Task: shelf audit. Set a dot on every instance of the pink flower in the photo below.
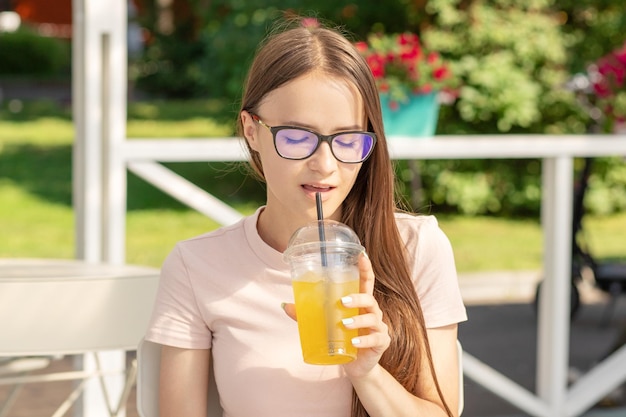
(441, 73)
(361, 46)
(310, 22)
(426, 89)
(377, 65)
(402, 66)
(432, 57)
(609, 83)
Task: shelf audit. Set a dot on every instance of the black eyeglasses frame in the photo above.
(321, 138)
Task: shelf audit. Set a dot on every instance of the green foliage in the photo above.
(230, 42)
(486, 95)
(208, 53)
(23, 53)
(512, 56)
(502, 187)
(170, 68)
(607, 187)
(509, 187)
(593, 28)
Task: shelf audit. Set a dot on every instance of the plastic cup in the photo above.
(322, 273)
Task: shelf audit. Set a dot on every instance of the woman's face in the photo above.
(325, 105)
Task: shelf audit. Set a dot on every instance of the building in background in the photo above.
(48, 18)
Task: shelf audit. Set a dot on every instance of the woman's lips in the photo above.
(317, 188)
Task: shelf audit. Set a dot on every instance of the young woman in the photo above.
(220, 298)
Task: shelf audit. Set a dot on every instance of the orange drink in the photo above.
(323, 257)
(324, 339)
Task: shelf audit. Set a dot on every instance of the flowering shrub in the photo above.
(401, 66)
(608, 77)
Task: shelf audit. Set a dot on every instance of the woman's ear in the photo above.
(249, 129)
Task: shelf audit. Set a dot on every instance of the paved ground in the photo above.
(501, 331)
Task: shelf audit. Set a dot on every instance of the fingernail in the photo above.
(346, 300)
(348, 321)
(365, 253)
(356, 341)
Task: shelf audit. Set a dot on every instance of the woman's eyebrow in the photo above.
(310, 127)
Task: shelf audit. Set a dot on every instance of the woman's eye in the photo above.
(295, 140)
(347, 142)
(296, 137)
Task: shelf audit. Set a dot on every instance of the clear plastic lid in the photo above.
(331, 233)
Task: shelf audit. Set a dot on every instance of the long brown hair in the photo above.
(370, 206)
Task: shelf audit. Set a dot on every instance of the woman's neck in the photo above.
(273, 231)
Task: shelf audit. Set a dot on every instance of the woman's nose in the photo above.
(323, 159)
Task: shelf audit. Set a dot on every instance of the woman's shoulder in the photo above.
(420, 232)
(412, 225)
(415, 219)
(212, 244)
(216, 237)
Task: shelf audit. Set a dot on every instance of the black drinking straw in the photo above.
(320, 227)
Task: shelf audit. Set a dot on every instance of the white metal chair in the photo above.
(51, 309)
(148, 362)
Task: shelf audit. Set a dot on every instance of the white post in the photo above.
(86, 111)
(99, 107)
(554, 305)
(99, 176)
(115, 83)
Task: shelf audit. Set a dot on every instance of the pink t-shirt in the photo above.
(223, 290)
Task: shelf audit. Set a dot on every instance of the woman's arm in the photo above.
(379, 392)
(444, 350)
(382, 395)
(184, 381)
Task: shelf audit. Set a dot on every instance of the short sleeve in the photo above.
(176, 319)
(433, 271)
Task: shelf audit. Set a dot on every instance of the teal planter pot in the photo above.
(416, 118)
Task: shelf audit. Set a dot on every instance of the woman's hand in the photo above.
(373, 337)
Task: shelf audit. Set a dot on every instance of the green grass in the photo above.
(36, 216)
(46, 131)
(488, 243)
(33, 226)
(605, 236)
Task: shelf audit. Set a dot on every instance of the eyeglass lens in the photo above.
(347, 147)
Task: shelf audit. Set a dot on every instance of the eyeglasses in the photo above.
(293, 142)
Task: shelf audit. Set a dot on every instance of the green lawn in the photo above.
(36, 217)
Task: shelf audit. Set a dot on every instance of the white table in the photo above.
(69, 307)
(553, 398)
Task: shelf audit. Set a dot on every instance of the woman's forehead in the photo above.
(315, 96)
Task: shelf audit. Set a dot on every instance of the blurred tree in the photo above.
(209, 46)
(496, 44)
(513, 57)
(517, 59)
(595, 28)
